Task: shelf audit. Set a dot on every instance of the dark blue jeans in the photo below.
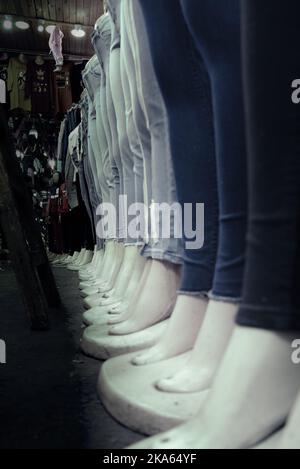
(271, 50)
(200, 79)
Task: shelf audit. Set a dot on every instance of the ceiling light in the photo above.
(50, 28)
(22, 25)
(41, 28)
(78, 32)
(7, 24)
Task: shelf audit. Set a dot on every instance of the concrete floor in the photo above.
(48, 388)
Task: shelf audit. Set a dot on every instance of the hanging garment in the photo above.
(2, 91)
(55, 44)
(16, 84)
(70, 171)
(62, 89)
(4, 99)
(38, 87)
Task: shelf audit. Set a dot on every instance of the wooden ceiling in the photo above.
(65, 13)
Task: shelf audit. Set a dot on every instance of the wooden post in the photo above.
(23, 237)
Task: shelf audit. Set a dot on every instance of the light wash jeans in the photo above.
(101, 39)
(152, 123)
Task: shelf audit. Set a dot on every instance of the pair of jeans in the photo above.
(161, 181)
(202, 89)
(101, 40)
(114, 8)
(270, 46)
(120, 135)
(133, 163)
(85, 194)
(127, 176)
(92, 78)
(85, 174)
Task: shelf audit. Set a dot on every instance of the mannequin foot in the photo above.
(118, 315)
(251, 396)
(182, 331)
(210, 346)
(156, 301)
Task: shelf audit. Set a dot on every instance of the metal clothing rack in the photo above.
(45, 55)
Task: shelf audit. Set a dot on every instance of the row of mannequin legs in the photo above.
(214, 362)
(231, 306)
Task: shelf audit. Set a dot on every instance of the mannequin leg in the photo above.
(138, 133)
(182, 331)
(115, 158)
(126, 169)
(212, 341)
(120, 308)
(290, 438)
(103, 145)
(250, 396)
(150, 308)
(231, 172)
(257, 382)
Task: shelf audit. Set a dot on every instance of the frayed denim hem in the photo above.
(203, 295)
(224, 299)
(160, 255)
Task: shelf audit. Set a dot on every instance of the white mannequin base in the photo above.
(128, 394)
(272, 442)
(251, 397)
(290, 435)
(97, 343)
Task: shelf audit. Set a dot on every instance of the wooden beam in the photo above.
(50, 20)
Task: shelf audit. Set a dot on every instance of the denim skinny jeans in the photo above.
(216, 32)
(270, 46)
(92, 80)
(202, 89)
(85, 175)
(90, 168)
(101, 39)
